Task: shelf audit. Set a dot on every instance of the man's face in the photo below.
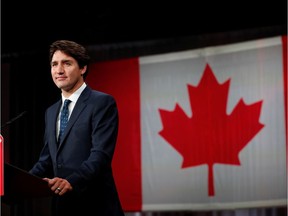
(66, 73)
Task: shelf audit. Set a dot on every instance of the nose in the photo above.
(58, 69)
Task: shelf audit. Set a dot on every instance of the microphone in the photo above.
(13, 119)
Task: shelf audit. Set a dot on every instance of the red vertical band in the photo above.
(121, 79)
(1, 165)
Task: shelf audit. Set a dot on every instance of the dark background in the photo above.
(32, 25)
(110, 31)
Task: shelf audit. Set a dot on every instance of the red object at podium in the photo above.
(1, 165)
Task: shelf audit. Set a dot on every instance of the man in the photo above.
(77, 166)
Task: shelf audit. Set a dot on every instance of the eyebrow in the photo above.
(63, 61)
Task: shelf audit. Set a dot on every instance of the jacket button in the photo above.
(59, 166)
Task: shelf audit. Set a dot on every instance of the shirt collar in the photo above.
(74, 97)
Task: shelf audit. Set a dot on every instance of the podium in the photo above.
(20, 185)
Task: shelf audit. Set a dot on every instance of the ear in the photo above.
(83, 70)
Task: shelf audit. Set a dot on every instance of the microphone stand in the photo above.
(13, 119)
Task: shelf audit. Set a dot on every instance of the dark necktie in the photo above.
(63, 118)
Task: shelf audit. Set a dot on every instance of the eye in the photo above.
(53, 64)
(68, 63)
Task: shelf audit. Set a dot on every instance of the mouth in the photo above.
(60, 78)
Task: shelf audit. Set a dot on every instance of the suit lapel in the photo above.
(53, 116)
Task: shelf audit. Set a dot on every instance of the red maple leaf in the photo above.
(211, 135)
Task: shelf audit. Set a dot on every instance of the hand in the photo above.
(58, 185)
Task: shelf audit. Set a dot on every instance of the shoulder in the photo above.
(55, 105)
(98, 94)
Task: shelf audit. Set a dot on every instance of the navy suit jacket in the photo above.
(84, 155)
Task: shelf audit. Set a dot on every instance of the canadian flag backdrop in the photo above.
(200, 129)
